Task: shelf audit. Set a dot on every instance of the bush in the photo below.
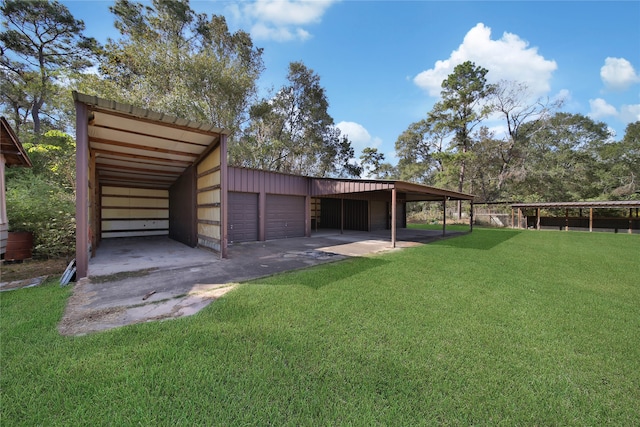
(47, 211)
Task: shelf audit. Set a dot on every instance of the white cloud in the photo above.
(359, 136)
(630, 113)
(600, 108)
(283, 20)
(618, 74)
(280, 34)
(509, 58)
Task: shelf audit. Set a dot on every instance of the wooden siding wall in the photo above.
(134, 212)
(208, 199)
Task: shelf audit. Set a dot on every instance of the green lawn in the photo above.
(495, 327)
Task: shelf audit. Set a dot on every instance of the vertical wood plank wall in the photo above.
(134, 212)
(208, 199)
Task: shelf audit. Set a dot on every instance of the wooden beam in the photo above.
(566, 219)
(590, 219)
(537, 218)
(471, 217)
(519, 218)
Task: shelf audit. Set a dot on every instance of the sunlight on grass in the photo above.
(493, 327)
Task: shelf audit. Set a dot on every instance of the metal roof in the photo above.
(595, 204)
(10, 146)
(142, 148)
(412, 192)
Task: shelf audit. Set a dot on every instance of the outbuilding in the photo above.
(12, 153)
(147, 173)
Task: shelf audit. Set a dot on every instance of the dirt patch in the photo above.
(28, 269)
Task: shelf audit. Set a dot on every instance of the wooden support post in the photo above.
(82, 190)
(513, 219)
(444, 216)
(566, 219)
(537, 218)
(393, 217)
(630, 220)
(519, 218)
(471, 217)
(590, 220)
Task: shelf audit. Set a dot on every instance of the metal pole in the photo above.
(393, 217)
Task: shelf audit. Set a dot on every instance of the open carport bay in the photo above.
(154, 278)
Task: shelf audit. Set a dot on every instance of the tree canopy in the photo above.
(293, 132)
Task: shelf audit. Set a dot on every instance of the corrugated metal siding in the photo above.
(208, 201)
(379, 215)
(243, 217)
(134, 212)
(356, 214)
(182, 209)
(257, 181)
(285, 216)
(324, 187)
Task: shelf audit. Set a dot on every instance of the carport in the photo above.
(141, 173)
(374, 205)
(267, 205)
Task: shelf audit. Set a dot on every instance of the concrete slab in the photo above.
(155, 278)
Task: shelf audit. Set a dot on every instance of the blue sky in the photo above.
(382, 62)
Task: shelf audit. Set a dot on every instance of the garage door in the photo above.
(285, 216)
(243, 217)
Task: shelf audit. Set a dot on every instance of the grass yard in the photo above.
(495, 327)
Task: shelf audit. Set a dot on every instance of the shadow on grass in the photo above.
(326, 274)
(480, 239)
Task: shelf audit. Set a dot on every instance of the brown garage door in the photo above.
(285, 216)
(243, 217)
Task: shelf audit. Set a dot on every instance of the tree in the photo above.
(173, 60)
(373, 164)
(40, 42)
(620, 163)
(461, 109)
(512, 100)
(561, 163)
(420, 149)
(292, 132)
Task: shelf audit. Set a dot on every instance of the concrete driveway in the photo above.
(156, 278)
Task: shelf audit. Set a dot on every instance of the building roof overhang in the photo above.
(10, 146)
(411, 192)
(604, 204)
(137, 147)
